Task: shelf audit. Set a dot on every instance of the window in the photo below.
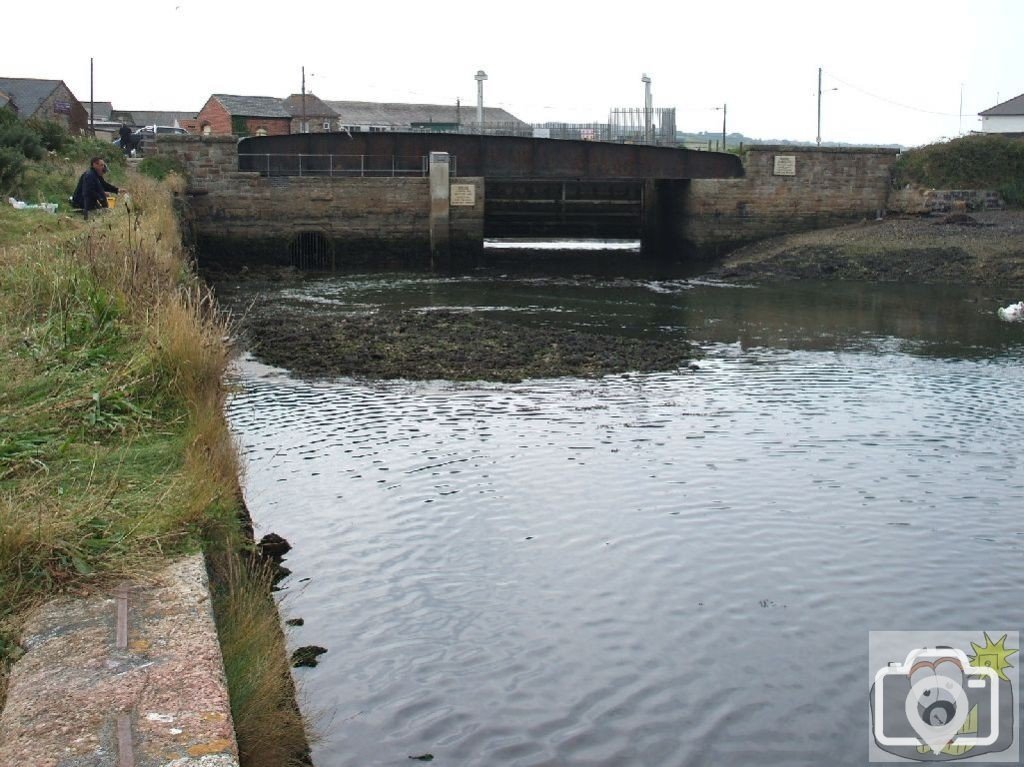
(261, 131)
(207, 129)
(327, 125)
(352, 128)
(377, 129)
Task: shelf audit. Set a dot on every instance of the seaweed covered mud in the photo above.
(982, 248)
(416, 343)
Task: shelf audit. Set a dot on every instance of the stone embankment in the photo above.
(131, 678)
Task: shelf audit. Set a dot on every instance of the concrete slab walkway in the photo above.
(133, 678)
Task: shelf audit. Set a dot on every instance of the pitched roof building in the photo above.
(226, 114)
(1007, 117)
(319, 117)
(49, 100)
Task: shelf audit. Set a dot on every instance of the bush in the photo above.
(53, 136)
(972, 162)
(24, 139)
(158, 167)
(12, 169)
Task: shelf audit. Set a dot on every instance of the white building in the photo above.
(1007, 117)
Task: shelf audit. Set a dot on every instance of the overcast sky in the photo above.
(901, 66)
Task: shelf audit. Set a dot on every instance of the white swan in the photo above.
(1012, 313)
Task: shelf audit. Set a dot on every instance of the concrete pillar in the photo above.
(440, 198)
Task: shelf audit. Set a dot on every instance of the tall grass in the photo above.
(270, 729)
(114, 451)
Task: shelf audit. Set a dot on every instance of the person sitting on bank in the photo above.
(91, 192)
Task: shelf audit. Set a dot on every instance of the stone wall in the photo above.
(786, 189)
(244, 218)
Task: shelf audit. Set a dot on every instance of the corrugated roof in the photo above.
(252, 106)
(142, 117)
(100, 109)
(405, 115)
(26, 93)
(1013, 107)
(314, 106)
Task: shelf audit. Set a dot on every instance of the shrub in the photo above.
(971, 162)
(21, 137)
(158, 167)
(12, 169)
(53, 136)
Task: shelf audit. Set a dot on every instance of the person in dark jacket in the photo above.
(126, 139)
(91, 192)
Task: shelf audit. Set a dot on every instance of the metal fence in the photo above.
(339, 165)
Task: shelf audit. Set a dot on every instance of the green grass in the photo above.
(114, 451)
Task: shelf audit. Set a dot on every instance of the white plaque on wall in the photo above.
(785, 165)
(464, 195)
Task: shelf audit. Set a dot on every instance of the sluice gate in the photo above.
(584, 209)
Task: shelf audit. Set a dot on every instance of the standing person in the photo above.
(91, 192)
(126, 139)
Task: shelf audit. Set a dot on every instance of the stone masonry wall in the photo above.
(246, 218)
(828, 186)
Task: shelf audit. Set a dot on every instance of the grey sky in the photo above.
(900, 66)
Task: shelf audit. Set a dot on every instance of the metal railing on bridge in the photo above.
(339, 165)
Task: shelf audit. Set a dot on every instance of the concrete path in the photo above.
(129, 679)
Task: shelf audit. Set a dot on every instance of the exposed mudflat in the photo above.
(984, 248)
(443, 344)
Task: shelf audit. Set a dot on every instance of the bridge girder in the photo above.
(507, 157)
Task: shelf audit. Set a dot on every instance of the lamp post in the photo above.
(646, 80)
(480, 77)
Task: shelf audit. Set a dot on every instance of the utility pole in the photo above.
(480, 77)
(305, 125)
(725, 109)
(458, 115)
(646, 108)
(92, 104)
(961, 130)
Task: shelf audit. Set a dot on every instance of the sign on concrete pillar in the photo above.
(440, 199)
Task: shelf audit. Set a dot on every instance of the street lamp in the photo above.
(724, 109)
(481, 75)
(646, 80)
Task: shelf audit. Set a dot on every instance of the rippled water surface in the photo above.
(666, 569)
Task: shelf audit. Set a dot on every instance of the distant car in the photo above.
(139, 137)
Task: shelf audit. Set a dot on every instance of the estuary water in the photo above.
(676, 568)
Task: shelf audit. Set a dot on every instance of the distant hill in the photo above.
(734, 140)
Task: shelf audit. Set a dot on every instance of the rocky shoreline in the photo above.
(983, 248)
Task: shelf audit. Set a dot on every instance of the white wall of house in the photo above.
(1003, 124)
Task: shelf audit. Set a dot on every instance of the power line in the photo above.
(890, 101)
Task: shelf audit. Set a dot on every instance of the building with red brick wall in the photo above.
(49, 100)
(225, 115)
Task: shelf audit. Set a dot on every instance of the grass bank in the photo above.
(114, 451)
(984, 161)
